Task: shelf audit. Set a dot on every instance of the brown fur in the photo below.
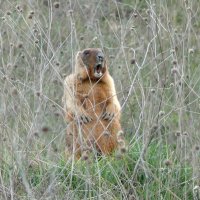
(88, 97)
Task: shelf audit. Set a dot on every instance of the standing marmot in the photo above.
(91, 105)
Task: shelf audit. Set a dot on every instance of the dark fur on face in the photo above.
(94, 62)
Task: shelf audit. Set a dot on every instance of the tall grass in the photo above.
(152, 49)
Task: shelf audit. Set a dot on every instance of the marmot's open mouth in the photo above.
(98, 70)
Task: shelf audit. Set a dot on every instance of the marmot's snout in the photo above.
(100, 57)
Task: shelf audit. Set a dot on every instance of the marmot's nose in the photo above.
(100, 57)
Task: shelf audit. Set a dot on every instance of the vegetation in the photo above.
(153, 54)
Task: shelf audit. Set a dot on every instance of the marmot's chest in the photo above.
(93, 96)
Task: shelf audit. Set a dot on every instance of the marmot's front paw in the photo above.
(83, 119)
(108, 115)
(110, 112)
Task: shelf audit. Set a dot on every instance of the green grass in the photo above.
(159, 176)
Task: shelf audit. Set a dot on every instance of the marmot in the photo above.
(91, 105)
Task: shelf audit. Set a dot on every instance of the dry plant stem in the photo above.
(147, 142)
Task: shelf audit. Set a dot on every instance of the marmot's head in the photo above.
(90, 63)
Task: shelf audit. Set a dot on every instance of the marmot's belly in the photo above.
(94, 109)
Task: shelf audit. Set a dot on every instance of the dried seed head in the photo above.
(123, 149)
(55, 81)
(55, 149)
(57, 114)
(133, 61)
(35, 31)
(133, 27)
(189, 9)
(95, 38)
(88, 149)
(132, 50)
(119, 155)
(178, 133)
(135, 15)
(8, 13)
(120, 134)
(15, 108)
(176, 30)
(176, 48)
(82, 37)
(53, 105)
(64, 75)
(9, 65)
(145, 19)
(20, 45)
(174, 70)
(36, 41)
(22, 56)
(85, 155)
(148, 11)
(153, 91)
(185, 133)
(73, 25)
(70, 12)
(161, 113)
(57, 63)
(56, 4)
(38, 93)
(30, 16)
(111, 56)
(154, 128)
(197, 148)
(18, 7)
(196, 189)
(45, 2)
(121, 142)
(191, 51)
(36, 134)
(14, 92)
(174, 62)
(45, 129)
(172, 51)
(168, 162)
(33, 164)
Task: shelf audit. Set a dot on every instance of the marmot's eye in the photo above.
(86, 52)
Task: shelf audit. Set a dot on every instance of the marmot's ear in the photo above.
(78, 61)
(100, 49)
(105, 63)
(78, 56)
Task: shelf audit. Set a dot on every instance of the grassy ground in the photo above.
(153, 54)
